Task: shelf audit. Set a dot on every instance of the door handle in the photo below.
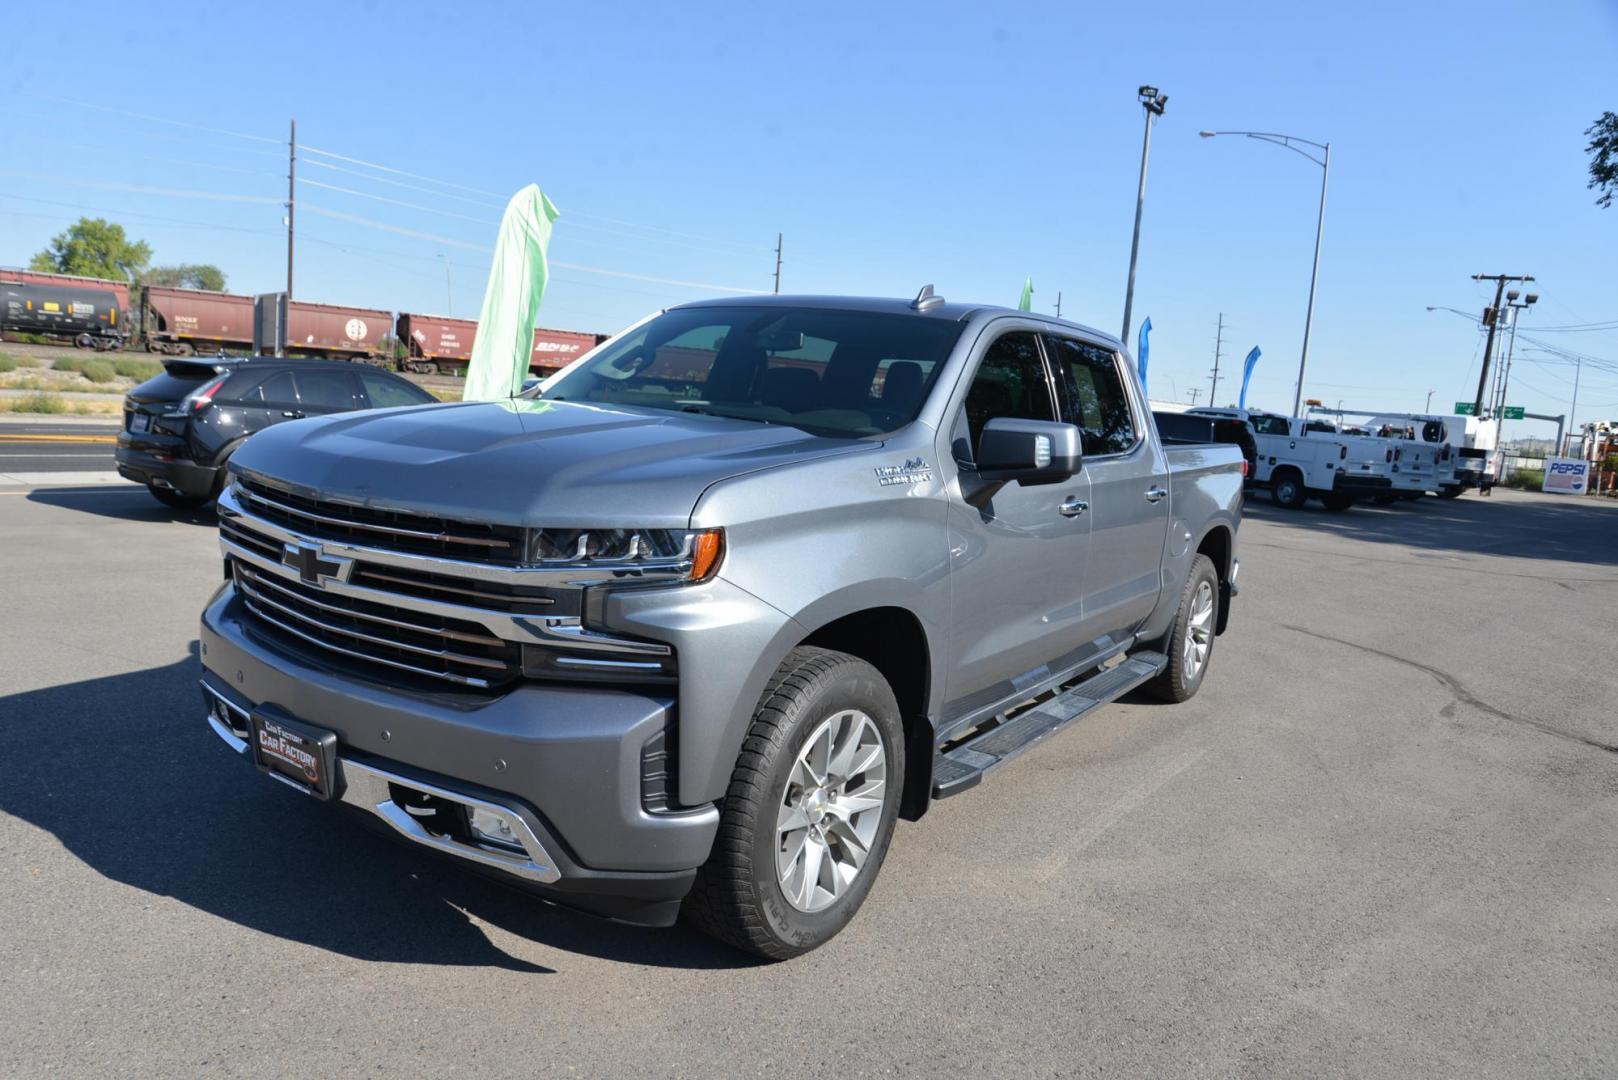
(1073, 506)
(1155, 493)
(293, 415)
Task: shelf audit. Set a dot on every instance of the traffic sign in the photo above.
(1512, 412)
(1464, 408)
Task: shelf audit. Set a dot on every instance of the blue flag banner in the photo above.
(1145, 328)
(1247, 374)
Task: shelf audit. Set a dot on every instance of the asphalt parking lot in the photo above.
(1378, 843)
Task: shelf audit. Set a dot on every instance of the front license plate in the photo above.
(139, 423)
(303, 755)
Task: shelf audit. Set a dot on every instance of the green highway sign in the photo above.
(1464, 408)
(1512, 412)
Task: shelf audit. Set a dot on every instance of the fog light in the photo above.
(491, 827)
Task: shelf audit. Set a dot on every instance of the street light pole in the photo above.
(1324, 161)
(1154, 103)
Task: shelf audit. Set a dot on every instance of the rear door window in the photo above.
(1093, 395)
(329, 391)
(385, 393)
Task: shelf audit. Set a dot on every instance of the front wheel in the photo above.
(811, 807)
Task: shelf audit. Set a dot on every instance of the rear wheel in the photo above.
(1336, 501)
(806, 821)
(178, 500)
(1286, 488)
(1385, 500)
(1451, 491)
(1191, 639)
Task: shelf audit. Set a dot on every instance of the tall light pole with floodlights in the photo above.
(1295, 144)
(1153, 101)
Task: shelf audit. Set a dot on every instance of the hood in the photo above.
(535, 463)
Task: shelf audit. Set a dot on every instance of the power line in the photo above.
(161, 120)
(137, 189)
(138, 214)
(397, 202)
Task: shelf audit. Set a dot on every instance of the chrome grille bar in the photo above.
(254, 596)
(256, 495)
(260, 581)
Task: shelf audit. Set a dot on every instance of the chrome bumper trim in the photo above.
(366, 787)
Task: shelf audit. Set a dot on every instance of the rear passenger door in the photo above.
(1129, 486)
(323, 390)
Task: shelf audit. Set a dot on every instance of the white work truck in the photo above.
(1300, 459)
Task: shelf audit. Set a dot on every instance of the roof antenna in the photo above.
(925, 300)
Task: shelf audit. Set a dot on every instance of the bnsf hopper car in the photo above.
(444, 343)
(92, 318)
(182, 322)
(337, 333)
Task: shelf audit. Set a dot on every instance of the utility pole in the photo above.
(1194, 391)
(1427, 408)
(1491, 317)
(1154, 102)
(1058, 303)
(778, 264)
(449, 291)
(1219, 343)
(292, 198)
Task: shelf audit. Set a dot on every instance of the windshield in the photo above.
(829, 372)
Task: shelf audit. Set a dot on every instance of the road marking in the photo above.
(49, 457)
(107, 439)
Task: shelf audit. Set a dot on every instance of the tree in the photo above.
(92, 247)
(1603, 150)
(186, 276)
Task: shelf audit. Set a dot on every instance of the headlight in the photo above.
(693, 555)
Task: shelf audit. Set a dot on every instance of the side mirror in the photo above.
(1029, 451)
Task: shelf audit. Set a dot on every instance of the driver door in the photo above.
(1017, 558)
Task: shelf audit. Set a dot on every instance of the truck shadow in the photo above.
(126, 774)
(126, 503)
(1511, 524)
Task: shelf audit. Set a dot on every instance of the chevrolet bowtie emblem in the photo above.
(313, 567)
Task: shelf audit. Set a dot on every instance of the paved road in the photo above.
(29, 447)
(1378, 843)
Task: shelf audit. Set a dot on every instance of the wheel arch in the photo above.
(1218, 543)
(893, 640)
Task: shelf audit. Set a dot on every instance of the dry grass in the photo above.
(42, 403)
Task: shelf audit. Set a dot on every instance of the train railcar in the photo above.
(119, 289)
(327, 331)
(445, 343)
(182, 322)
(90, 318)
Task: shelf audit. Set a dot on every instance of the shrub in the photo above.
(8, 363)
(140, 370)
(1527, 479)
(99, 371)
(38, 403)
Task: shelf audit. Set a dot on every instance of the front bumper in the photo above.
(565, 760)
(174, 473)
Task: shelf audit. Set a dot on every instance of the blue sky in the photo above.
(893, 144)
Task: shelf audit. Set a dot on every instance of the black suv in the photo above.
(182, 425)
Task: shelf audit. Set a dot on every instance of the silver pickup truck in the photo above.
(694, 623)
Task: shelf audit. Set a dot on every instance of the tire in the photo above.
(1287, 490)
(1190, 642)
(1385, 500)
(178, 500)
(740, 896)
(1336, 501)
(1453, 491)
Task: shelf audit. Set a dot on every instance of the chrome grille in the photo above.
(394, 530)
(456, 651)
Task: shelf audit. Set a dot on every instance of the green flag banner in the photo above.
(1027, 301)
(505, 337)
